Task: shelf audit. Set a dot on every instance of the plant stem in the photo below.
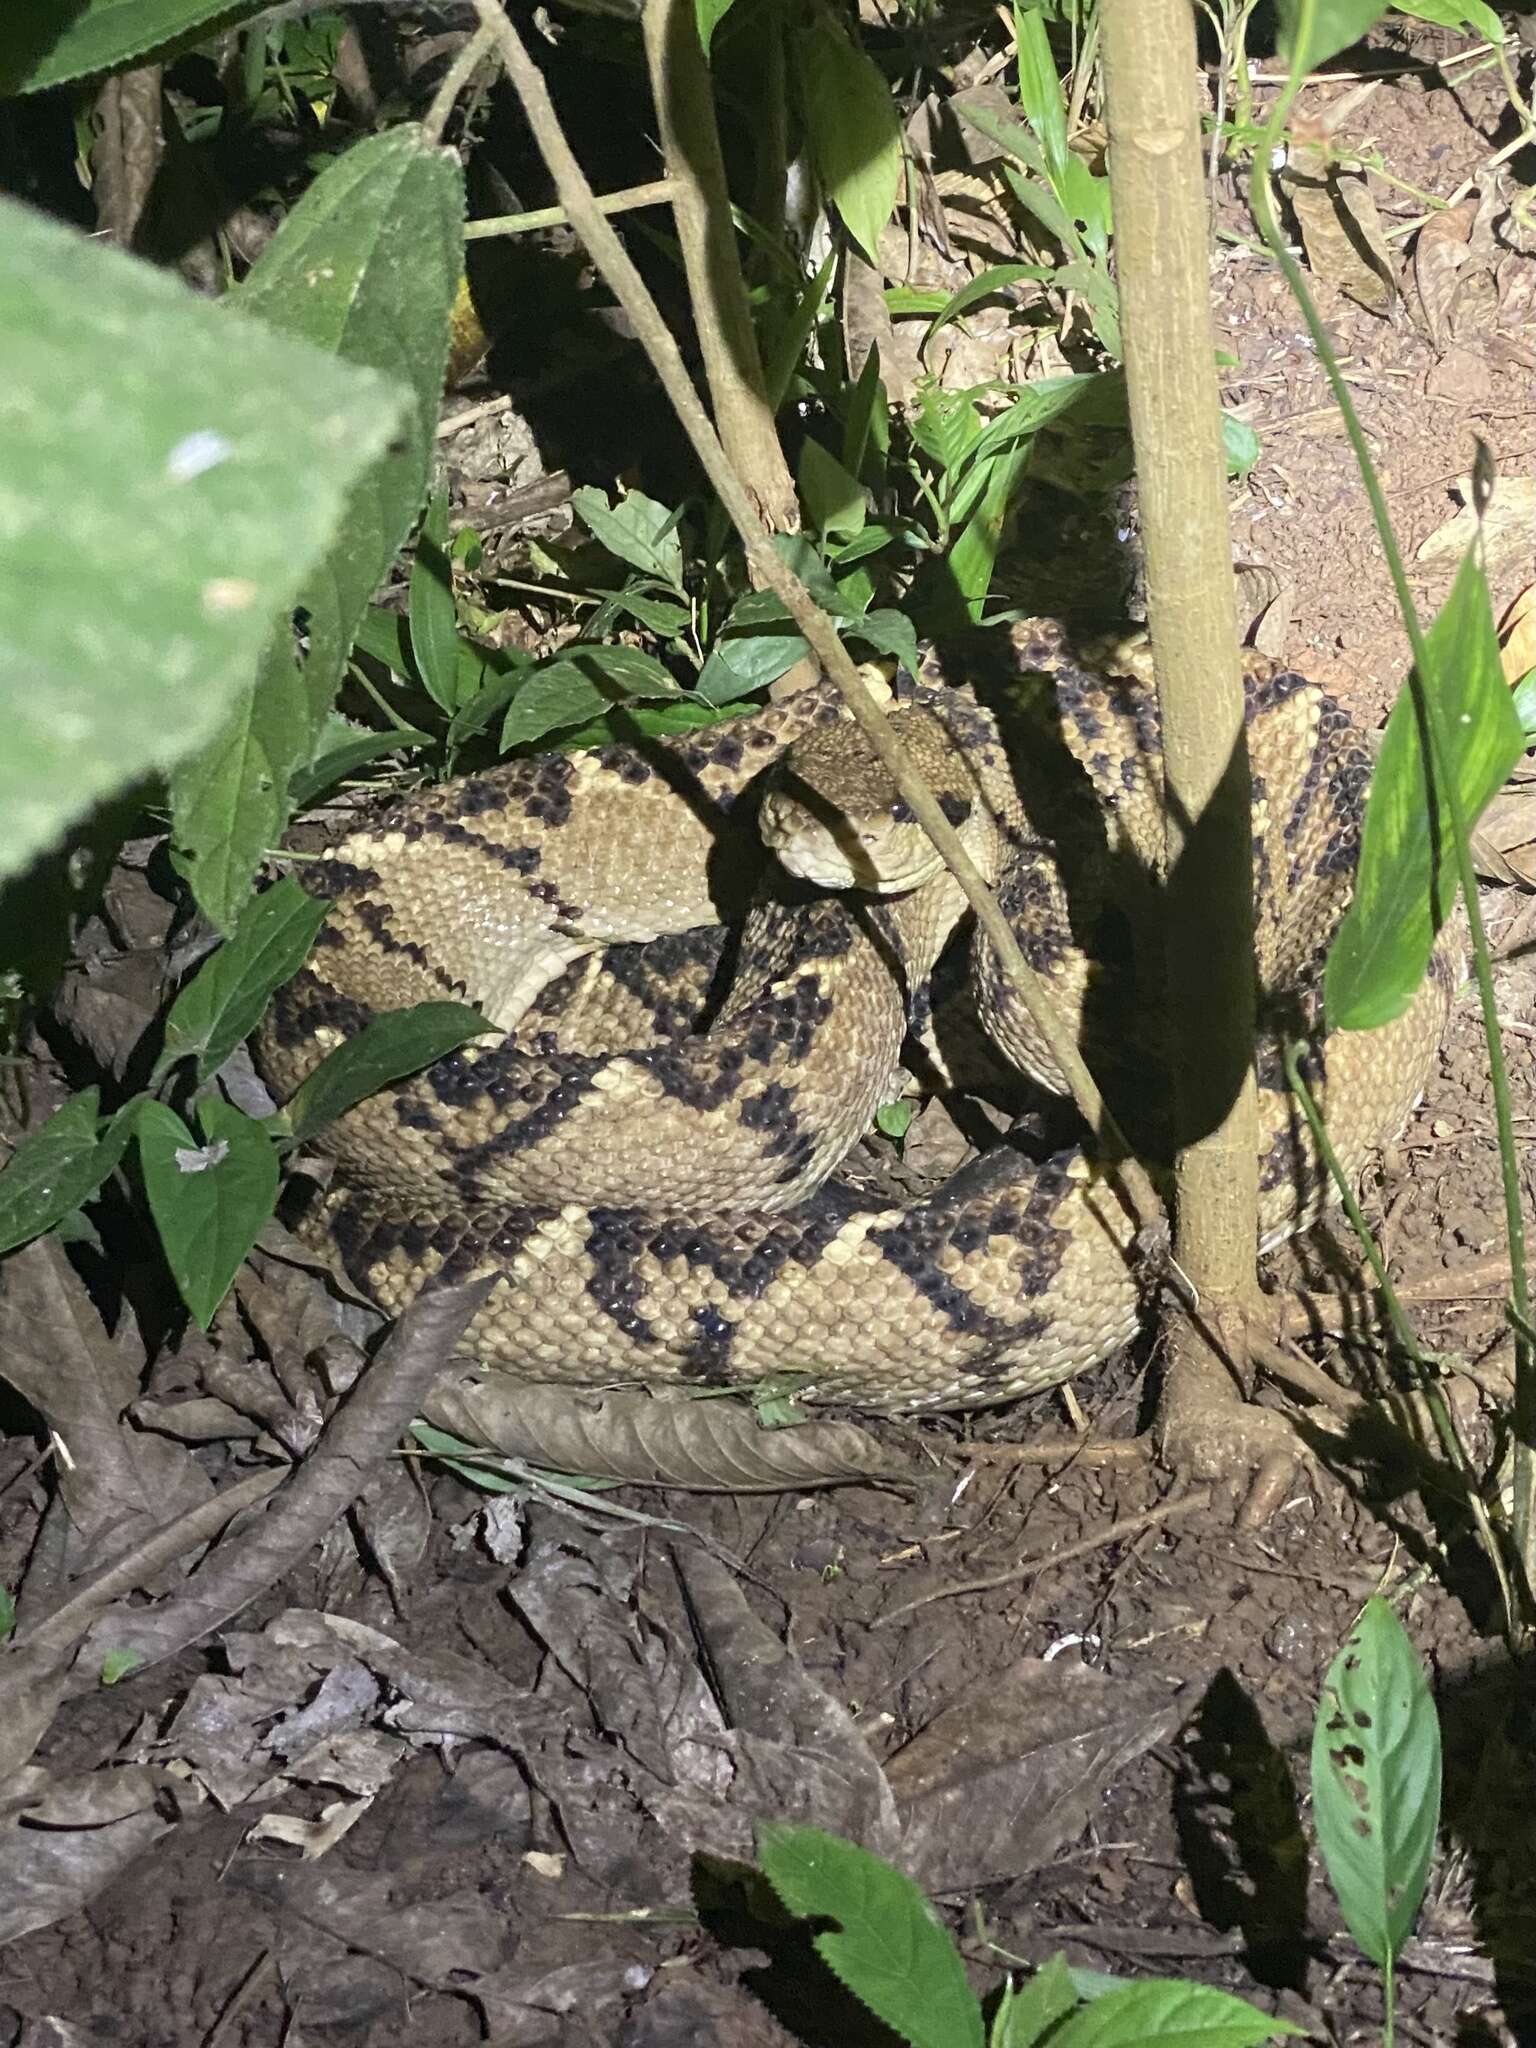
(701, 204)
(619, 273)
(1443, 783)
(476, 49)
(1162, 243)
(1408, 1343)
(658, 192)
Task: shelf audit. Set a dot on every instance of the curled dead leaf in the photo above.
(665, 1438)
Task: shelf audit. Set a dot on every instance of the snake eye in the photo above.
(902, 812)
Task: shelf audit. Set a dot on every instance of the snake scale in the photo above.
(691, 1036)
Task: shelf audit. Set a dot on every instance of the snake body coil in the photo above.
(654, 1198)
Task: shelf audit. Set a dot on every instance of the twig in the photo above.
(717, 293)
(455, 78)
(356, 1442)
(1066, 1451)
(658, 192)
(770, 571)
(1113, 1532)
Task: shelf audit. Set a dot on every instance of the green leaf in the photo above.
(149, 415)
(1040, 89)
(1312, 31)
(894, 1119)
(889, 632)
(973, 557)
(1475, 15)
(230, 802)
(946, 424)
(7, 1614)
(117, 1665)
(637, 530)
(49, 42)
(386, 1049)
(1406, 884)
(788, 347)
(367, 266)
(890, 1951)
(1376, 1780)
(867, 421)
(664, 615)
(210, 1201)
(1170, 2015)
(434, 617)
(344, 748)
(223, 1002)
(1025, 2017)
(1523, 697)
(989, 284)
(710, 14)
(57, 1167)
(1239, 444)
(1099, 394)
(834, 500)
(854, 131)
(582, 682)
(757, 644)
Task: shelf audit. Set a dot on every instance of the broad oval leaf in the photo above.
(636, 529)
(1406, 885)
(150, 415)
(854, 131)
(388, 1048)
(57, 1167)
(1177, 2014)
(223, 1002)
(1312, 31)
(889, 1949)
(578, 685)
(210, 1200)
(833, 500)
(1376, 1780)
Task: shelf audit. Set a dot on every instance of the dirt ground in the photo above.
(508, 1753)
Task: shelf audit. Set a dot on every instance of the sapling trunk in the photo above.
(1161, 244)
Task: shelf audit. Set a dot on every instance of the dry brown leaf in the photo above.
(1508, 526)
(1340, 229)
(1503, 841)
(667, 1438)
(1007, 1773)
(1441, 248)
(1517, 637)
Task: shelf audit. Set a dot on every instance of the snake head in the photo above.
(834, 817)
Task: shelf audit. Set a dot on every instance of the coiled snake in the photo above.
(656, 1200)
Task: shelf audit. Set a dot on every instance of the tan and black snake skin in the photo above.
(656, 1200)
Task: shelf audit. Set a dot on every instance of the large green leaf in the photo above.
(1312, 31)
(210, 1201)
(888, 1949)
(1376, 1780)
(49, 42)
(854, 130)
(366, 266)
(1407, 880)
(157, 519)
